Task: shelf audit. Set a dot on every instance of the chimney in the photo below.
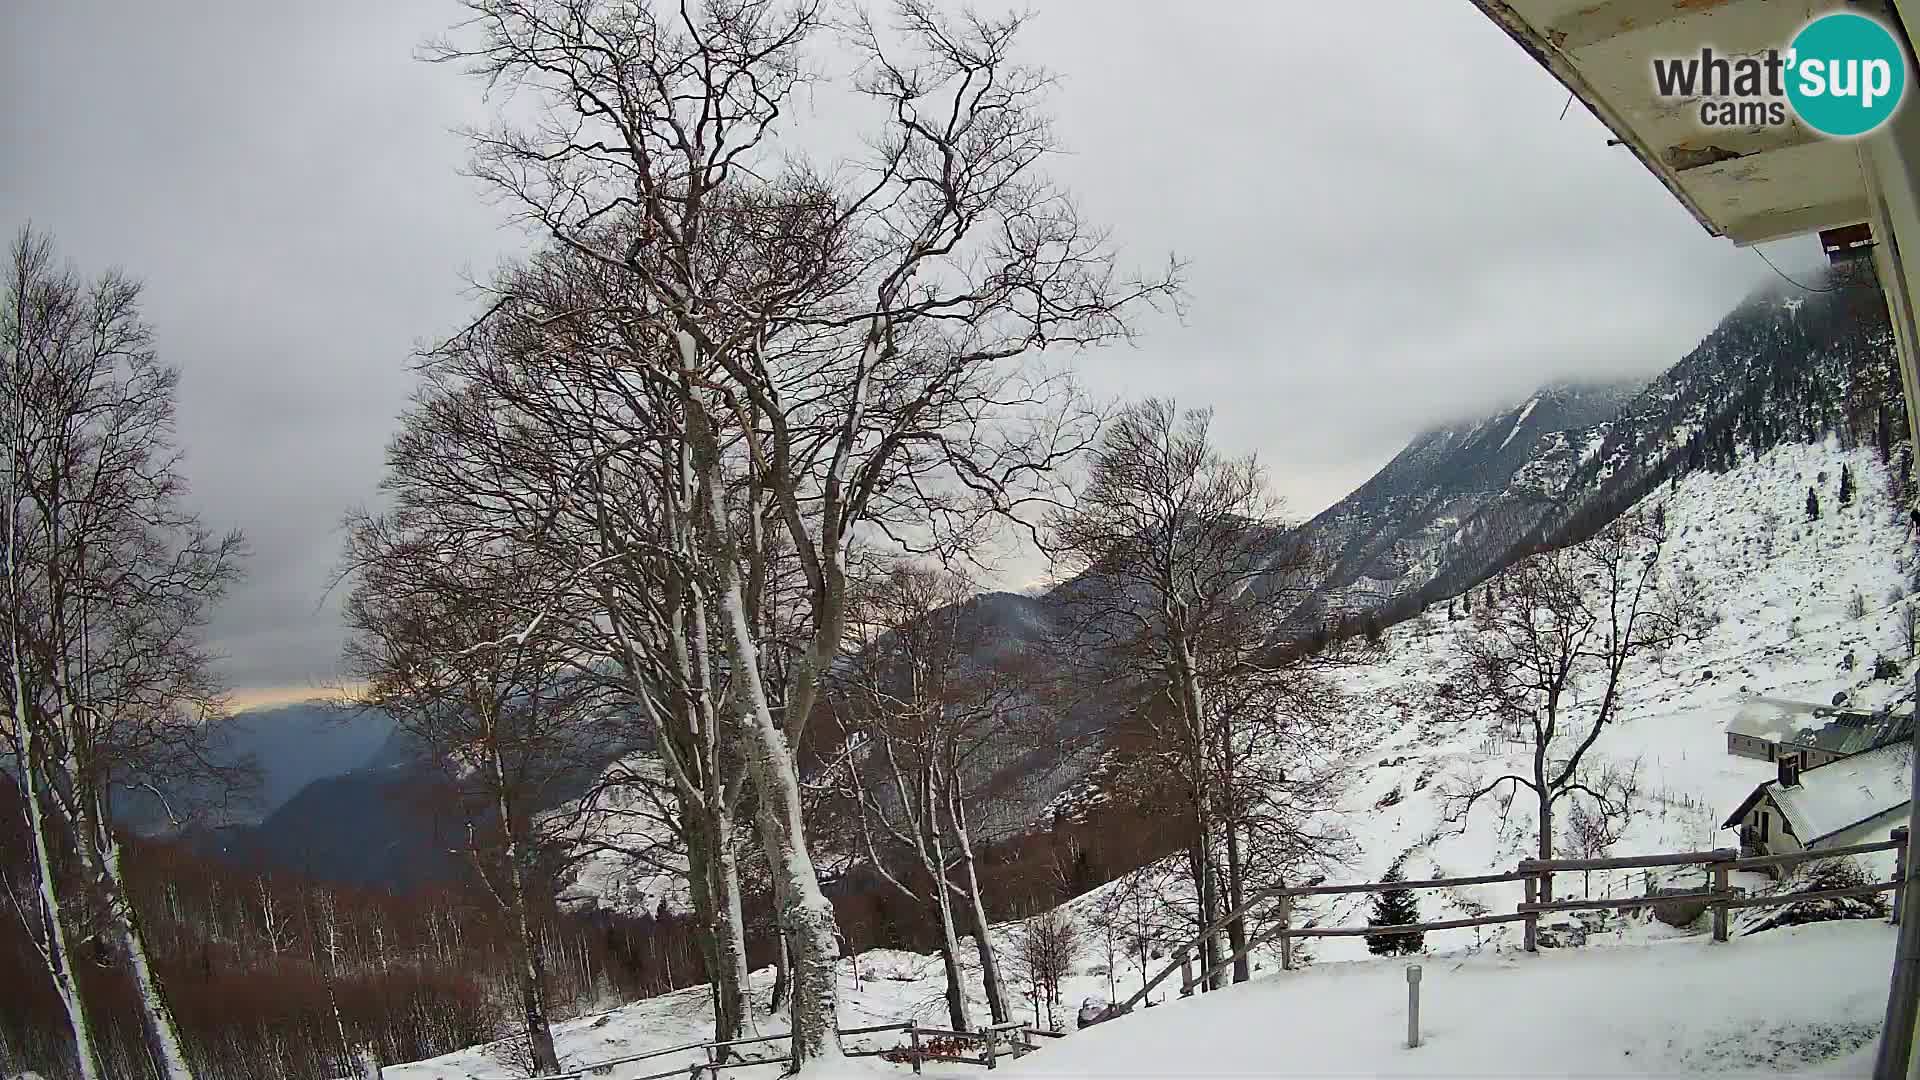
(1789, 770)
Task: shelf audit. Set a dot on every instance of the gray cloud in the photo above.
(1388, 226)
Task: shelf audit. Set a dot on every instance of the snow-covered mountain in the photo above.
(1462, 501)
(1394, 534)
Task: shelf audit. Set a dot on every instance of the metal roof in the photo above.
(1746, 184)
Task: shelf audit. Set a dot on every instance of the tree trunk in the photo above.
(943, 906)
(1546, 842)
(805, 912)
(782, 972)
(1236, 896)
(956, 979)
(714, 888)
(997, 1005)
(59, 947)
(706, 915)
(156, 1016)
(1193, 708)
(730, 972)
(532, 995)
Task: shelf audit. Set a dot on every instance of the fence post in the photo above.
(1286, 939)
(1413, 1006)
(913, 1040)
(1532, 941)
(1186, 974)
(992, 1037)
(1720, 905)
(1899, 871)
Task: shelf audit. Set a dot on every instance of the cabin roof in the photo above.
(1747, 184)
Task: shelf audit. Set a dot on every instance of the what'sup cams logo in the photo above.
(1843, 75)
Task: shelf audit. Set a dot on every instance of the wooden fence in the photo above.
(1537, 878)
(1011, 1039)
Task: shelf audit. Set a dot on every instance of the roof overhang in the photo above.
(1749, 184)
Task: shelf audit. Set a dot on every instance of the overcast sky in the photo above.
(1389, 225)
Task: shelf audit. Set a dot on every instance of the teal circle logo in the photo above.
(1846, 74)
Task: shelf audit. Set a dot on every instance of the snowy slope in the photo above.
(1779, 588)
(626, 856)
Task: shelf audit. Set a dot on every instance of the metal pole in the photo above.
(1413, 1005)
(1891, 1061)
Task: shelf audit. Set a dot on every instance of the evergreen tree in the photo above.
(1395, 907)
(1813, 505)
(1846, 485)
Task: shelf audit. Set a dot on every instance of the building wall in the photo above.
(1779, 835)
(1752, 746)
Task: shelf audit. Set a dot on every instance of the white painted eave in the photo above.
(1749, 185)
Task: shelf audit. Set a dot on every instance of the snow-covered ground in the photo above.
(892, 986)
(1808, 999)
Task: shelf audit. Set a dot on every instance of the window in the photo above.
(1763, 826)
(1770, 749)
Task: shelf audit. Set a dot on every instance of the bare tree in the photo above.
(1548, 654)
(929, 717)
(1595, 825)
(1182, 568)
(1049, 946)
(446, 635)
(840, 349)
(109, 583)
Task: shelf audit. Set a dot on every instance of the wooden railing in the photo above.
(921, 1045)
(1537, 877)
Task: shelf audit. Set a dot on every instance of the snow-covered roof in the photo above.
(1750, 185)
(1841, 731)
(1773, 720)
(1833, 797)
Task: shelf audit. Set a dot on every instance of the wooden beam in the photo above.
(1791, 857)
(1387, 886)
(1781, 224)
(1812, 894)
(1627, 902)
(1630, 862)
(1411, 928)
(1602, 22)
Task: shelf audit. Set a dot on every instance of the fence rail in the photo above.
(1537, 876)
(989, 1037)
